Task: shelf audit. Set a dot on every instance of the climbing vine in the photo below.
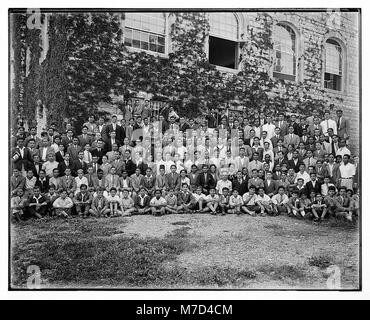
(87, 63)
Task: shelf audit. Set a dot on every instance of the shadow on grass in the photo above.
(87, 257)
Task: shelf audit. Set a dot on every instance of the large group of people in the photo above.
(227, 163)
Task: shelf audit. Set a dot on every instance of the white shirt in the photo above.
(348, 170)
(252, 200)
(280, 199)
(342, 151)
(270, 129)
(223, 184)
(305, 176)
(326, 124)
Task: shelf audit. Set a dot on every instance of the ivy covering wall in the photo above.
(87, 63)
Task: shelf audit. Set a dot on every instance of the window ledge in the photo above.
(337, 92)
(228, 70)
(157, 54)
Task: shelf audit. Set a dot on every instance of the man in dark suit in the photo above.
(295, 162)
(315, 125)
(282, 125)
(79, 164)
(98, 151)
(270, 185)
(256, 148)
(36, 165)
(33, 135)
(118, 163)
(68, 140)
(21, 156)
(205, 180)
(240, 184)
(280, 159)
(84, 138)
(59, 155)
(43, 182)
(172, 179)
(66, 163)
(343, 129)
(111, 141)
(313, 184)
(114, 126)
(74, 149)
(129, 164)
(17, 181)
(274, 139)
(223, 124)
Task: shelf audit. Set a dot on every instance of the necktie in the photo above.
(338, 124)
(327, 125)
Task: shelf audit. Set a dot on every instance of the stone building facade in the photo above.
(319, 47)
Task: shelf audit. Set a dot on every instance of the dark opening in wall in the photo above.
(222, 52)
(333, 81)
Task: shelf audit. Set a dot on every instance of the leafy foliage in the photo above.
(88, 63)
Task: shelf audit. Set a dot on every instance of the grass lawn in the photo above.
(185, 251)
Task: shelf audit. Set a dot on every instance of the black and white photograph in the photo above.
(185, 149)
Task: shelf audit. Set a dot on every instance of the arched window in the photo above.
(333, 65)
(285, 52)
(223, 39)
(146, 31)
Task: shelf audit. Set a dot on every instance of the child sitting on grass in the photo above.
(158, 204)
(127, 204)
(142, 201)
(235, 202)
(99, 205)
(224, 200)
(63, 205)
(249, 202)
(306, 204)
(212, 201)
(171, 200)
(264, 201)
(295, 205)
(185, 199)
(319, 208)
(37, 204)
(280, 201)
(114, 202)
(199, 200)
(17, 205)
(51, 196)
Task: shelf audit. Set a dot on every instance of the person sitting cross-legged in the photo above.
(127, 204)
(171, 200)
(235, 202)
(158, 204)
(99, 205)
(319, 208)
(199, 200)
(37, 204)
(212, 201)
(295, 206)
(63, 205)
(114, 203)
(185, 199)
(142, 201)
(249, 202)
(83, 201)
(280, 201)
(224, 201)
(264, 201)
